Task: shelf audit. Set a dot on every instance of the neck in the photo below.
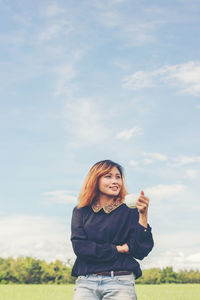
(105, 200)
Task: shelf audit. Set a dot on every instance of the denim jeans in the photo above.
(98, 287)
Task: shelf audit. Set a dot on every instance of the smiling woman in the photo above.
(110, 185)
(100, 177)
(107, 236)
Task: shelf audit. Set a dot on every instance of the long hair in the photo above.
(89, 189)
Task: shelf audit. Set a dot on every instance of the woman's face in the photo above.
(110, 184)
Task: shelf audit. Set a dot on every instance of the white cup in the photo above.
(130, 200)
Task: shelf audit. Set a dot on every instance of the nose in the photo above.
(115, 181)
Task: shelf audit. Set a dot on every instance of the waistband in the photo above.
(113, 273)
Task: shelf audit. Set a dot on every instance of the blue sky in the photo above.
(83, 81)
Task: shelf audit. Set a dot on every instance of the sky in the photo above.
(84, 81)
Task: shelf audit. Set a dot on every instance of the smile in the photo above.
(114, 188)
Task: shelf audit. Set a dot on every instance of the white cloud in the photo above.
(179, 161)
(133, 30)
(53, 9)
(164, 191)
(191, 173)
(86, 122)
(49, 239)
(106, 4)
(156, 156)
(177, 241)
(194, 258)
(54, 30)
(184, 160)
(186, 77)
(61, 196)
(50, 32)
(148, 161)
(152, 157)
(198, 106)
(129, 133)
(133, 162)
(139, 80)
(179, 260)
(114, 2)
(41, 237)
(179, 250)
(66, 74)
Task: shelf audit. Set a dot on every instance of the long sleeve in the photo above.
(85, 249)
(140, 241)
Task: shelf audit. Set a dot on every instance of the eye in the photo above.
(107, 176)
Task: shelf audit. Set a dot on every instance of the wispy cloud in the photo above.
(129, 133)
(185, 160)
(66, 74)
(47, 238)
(61, 196)
(192, 173)
(85, 122)
(133, 162)
(165, 191)
(41, 237)
(139, 80)
(133, 30)
(179, 260)
(186, 77)
(155, 156)
(186, 166)
(52, 10)
(55, 30)
(148, 161)
(179, 255)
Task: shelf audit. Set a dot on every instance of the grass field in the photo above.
(65, 292)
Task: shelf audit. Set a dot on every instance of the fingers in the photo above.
(123, 248)
(143, 199)
(142, 203)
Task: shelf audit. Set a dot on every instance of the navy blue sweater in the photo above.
(94, 238)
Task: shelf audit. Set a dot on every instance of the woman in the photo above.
(107, 236)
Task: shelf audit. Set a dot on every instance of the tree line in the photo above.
(168, 275)
(28, 270)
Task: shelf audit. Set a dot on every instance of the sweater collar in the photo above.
(107, 208)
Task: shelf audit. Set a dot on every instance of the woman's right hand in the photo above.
(123, 248)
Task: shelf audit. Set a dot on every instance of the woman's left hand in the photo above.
(142, 206)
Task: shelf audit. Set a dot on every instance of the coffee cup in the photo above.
(130, 200)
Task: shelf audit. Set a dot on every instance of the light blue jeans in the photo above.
(98, 287)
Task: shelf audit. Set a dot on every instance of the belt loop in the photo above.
(112, 274)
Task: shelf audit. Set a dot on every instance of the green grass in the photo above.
(36, 292)
(168, 292)
(65, 292)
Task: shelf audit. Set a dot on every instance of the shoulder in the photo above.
(79, 214)
(80, 210)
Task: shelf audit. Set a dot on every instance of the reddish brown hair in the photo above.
(90, 186)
